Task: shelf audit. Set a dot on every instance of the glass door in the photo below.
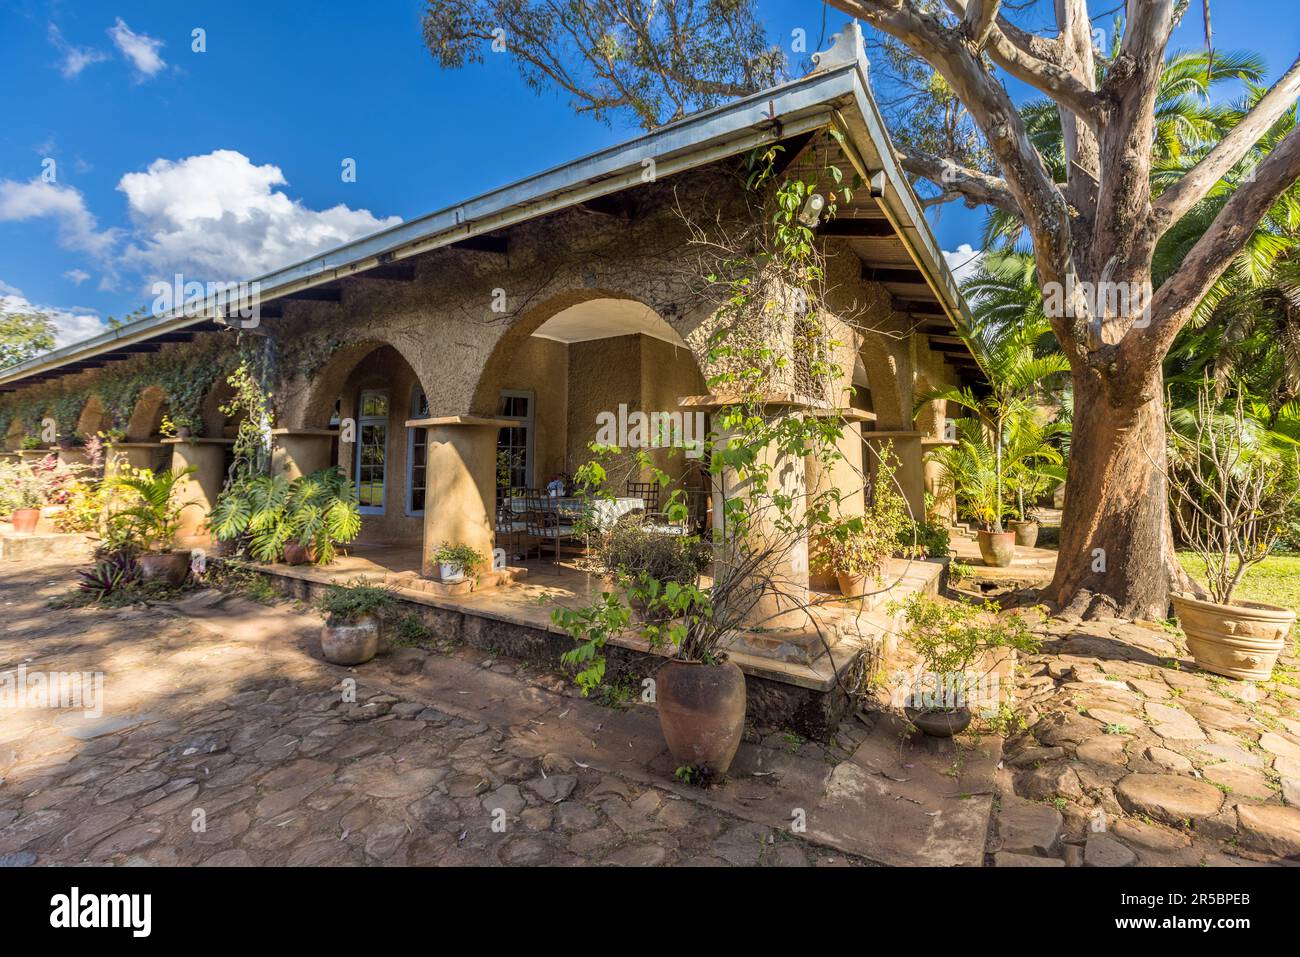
(372, 451)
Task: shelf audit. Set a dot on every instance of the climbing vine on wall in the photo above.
(185, 373)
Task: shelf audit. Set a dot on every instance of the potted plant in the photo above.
(151, 519)
(303, 520)
(970, 472)
(852, 551)
(1034, 466)
(353, 620)
(950, 639)
(178, 427)
(856, 550)
(1233, 496)
(456, 562)
(21, 495)
(699, 693)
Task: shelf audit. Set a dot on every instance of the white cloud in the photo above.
(140, 49)
(78, 276)
(70, 325)
(220, 217)
(75, 58)
(78, 228)
(964, 262)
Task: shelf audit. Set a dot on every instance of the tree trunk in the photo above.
(1116, 556)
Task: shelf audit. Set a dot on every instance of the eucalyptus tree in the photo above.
(1094, 236)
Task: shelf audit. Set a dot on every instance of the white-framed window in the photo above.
(516, 441)
(417, 448)
(372, 450)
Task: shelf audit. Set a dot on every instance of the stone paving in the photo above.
(1133, 756)
(225, 740)
(240, 750)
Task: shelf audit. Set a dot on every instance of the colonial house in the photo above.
(513, 321)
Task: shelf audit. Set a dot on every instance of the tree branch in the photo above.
(1176, 299)
(979, 19)
(1175, 201)
(952, 178)
(1048, 74)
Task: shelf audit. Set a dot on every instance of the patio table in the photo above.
(606, 511)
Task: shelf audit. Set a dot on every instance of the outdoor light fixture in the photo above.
(812, 210)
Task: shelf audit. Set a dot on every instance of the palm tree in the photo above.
(1245, 333)
(1019, 372)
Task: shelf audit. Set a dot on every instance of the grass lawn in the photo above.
(1276, 580)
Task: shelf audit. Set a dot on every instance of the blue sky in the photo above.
(223, 161)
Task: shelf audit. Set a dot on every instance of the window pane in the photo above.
(374, 405)
(372, 454)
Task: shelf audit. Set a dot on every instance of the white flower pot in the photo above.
(450, 573)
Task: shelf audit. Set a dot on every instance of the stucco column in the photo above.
(199, 491)
(910, 472)
(844, 474)
(137, 455)
(780, 582)
(299, 452)
(460, 485)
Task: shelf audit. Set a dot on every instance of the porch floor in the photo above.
(797, 658)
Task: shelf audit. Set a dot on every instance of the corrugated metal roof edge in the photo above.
(800, 105)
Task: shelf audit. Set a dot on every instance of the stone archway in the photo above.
(145, 422)
(94, 418)
(353, 413)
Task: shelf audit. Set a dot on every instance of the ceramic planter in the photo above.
(169, 567)
(701, 713)
(939, 723)
(1026, 532)
(1236, 641)
(295, 554)
(24, 520)
(857, 586)
(354, 643)
(997, 548)
(450, 573)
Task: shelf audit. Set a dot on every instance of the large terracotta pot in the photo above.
(858, 586)
(295, 554)
(1237, 641)
(351, 644)
(939, 723)
(997, 548)
(1026, 532)
(25, 520)
(701, 713)
(169, 567)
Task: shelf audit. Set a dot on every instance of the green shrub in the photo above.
(346, 604)
(632, 552)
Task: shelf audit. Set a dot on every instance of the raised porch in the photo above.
(796, 679)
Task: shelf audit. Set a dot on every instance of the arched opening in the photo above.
(143, 442)
(603, 369)
(367, 392)
(93, 419)
(145, 424)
